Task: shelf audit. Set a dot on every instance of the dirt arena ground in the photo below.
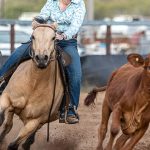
(82, 136)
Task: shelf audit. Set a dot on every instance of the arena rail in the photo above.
(108, 39)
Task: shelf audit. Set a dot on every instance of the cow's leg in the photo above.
(135, 138)
(29, 128)
(104, 123)
(115, 127)
(7, 125)
(121, 141)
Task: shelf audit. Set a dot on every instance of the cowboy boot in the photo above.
(72, 118)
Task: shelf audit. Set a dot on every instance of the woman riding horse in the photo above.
(34, 91)
(69, 15)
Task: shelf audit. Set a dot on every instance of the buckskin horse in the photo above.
(30, 92)
(128, 99)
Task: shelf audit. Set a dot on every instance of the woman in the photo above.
(69, 15)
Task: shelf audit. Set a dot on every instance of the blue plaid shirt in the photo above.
(70, 20)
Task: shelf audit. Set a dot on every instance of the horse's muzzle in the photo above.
(42, 61)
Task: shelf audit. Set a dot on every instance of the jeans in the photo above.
(20, 53)
(73, 71)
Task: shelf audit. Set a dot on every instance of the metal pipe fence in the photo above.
(101, 37)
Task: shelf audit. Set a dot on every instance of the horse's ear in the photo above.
(54, 25)
(35, 24)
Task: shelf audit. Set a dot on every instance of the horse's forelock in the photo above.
(43, 40)
(51, 26)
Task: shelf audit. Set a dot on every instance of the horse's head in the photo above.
(43, 38)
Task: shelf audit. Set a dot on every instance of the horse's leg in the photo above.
(29, 128)
(115, 127)
(29, 142)
(104, 123)
(135, 138)
(8, 123)
(121, 141)
(4, 104)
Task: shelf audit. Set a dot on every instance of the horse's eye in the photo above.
(33, 38)
(53, 38)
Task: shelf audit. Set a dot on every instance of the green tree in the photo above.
(13, 9)
(109, 8)
(103, 8)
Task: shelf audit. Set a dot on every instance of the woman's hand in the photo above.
(60, 36)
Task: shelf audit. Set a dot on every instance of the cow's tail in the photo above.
(92, 95)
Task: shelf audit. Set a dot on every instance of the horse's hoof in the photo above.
(12, 146)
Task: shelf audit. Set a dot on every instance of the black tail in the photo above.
(92, 95)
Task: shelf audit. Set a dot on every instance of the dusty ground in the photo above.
(82, 136)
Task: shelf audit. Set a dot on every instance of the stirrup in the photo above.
(69, 119)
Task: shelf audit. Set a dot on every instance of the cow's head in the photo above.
(139, 61)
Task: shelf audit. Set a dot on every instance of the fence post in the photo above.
(108, 40)
(12, 37)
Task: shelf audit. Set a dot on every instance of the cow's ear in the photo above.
(136, 60)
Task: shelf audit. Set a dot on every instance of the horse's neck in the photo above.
(41, 75)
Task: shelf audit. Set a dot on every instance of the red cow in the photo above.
(128, 98)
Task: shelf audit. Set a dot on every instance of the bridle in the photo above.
(31, 51)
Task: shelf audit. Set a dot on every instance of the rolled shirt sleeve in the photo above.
(45, 11)
(77, 21)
